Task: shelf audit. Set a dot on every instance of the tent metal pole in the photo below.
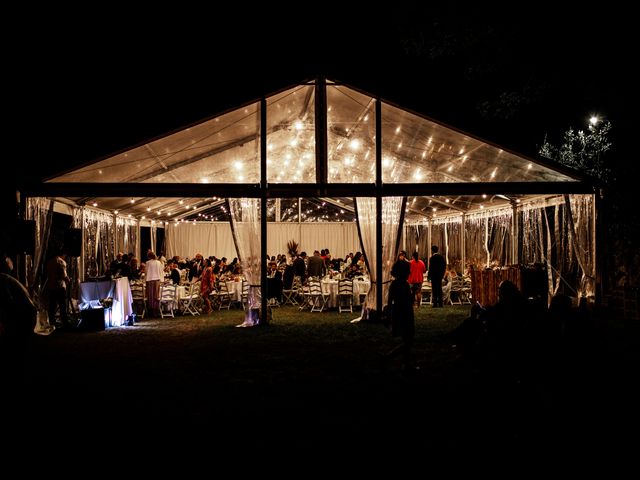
(321, 130)
(515, 234)
(598, 233)
(83, 248)
(263, 211)
(378, 252)
(486, 240)
(463, 244)
(115, 236)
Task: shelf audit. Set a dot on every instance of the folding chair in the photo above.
(318, 299)
(191, 301)
(290, 294)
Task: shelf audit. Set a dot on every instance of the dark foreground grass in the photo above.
(307, 382)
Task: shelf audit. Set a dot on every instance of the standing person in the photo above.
(154, 273)
(208, 284)
(416, 277)
(401, 311)
(57, 281)
(315, 267)
(299, 267)
(437, 266)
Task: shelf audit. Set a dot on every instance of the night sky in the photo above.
(86, 89)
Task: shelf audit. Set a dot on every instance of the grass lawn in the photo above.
(308, 380)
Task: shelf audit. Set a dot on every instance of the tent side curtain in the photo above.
(367, 220)
(245, 225)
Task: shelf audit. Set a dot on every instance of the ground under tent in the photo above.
(294, 162)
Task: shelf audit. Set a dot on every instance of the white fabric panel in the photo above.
(339, 238)
(278, 234)
(208, 239)
(215, 238)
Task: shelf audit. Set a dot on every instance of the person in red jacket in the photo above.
(415, 278)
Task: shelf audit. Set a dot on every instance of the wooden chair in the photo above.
(345, 295)
(138, 295)
(167, 299)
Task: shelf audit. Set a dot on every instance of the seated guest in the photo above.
(353, 271)
(175, 273)
(272, 271)
(134, 270)
(118, 267)
(287, 277)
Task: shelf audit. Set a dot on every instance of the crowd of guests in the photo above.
(517, 337)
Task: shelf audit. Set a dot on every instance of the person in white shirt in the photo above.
(154, 273)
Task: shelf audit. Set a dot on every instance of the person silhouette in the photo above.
(400, 306)
(437, 267)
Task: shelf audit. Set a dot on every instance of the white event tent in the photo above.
(328, 166)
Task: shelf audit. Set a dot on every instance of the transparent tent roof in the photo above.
(226, 150)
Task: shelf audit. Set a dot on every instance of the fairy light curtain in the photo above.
(245, 228)
(366, 218)
(533, 250)
(559, 234)
(499, 237)
(127, 235)
(488, 238)
(474, 240)
(417, 239)
(438, 238)
(446, 233)
(99, 242)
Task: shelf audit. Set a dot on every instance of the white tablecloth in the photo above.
(92, 292)
(330, 288)
(235, 291)
(121, 302)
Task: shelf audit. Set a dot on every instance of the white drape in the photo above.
(245, 219)
(215, 238)
(581, 229)
(391, 210)
(186, 240)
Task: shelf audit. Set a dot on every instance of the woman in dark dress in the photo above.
(400, 307)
